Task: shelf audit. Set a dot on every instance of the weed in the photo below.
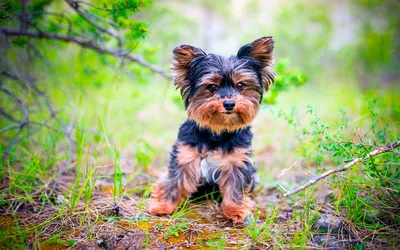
(176, 229)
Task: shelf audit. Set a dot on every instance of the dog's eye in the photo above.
(212, 88)
(240, 86)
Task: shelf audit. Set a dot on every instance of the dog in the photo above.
(222, 96)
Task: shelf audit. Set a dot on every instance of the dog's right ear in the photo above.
(180, 66)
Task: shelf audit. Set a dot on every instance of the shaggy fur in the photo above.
(222, 97)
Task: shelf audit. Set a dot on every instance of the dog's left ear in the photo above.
(262, 51)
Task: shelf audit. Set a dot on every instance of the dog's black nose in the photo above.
(229, 105)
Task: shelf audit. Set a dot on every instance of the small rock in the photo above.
(327, 222)
(60, 199)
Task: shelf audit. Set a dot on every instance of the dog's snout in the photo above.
(229, 105)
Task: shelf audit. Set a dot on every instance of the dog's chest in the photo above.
(213, 162)
(209, 168)
(210, 163)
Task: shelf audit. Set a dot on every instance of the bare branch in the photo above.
(15, 140)
(317, 178)
(34, 87)
(85, 44)
(20, 104)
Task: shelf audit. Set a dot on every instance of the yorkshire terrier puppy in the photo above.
(222, 97)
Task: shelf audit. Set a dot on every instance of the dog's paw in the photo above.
(157, 207)
(158, 204)
(234, 212)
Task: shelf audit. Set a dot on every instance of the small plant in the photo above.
(176, 229)
(262, 230)
(255, 230)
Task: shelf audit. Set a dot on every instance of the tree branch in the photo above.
(85, 44)
(20, 104)
(317, 178)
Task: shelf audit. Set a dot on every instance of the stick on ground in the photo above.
(317, 178)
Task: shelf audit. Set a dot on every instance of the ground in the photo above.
(105, 224)
(122, 223)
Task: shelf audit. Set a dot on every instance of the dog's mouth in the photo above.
(228, 112)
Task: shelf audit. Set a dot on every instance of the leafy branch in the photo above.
(86, 44)
(126, 30)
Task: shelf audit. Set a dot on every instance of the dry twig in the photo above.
(317, 178)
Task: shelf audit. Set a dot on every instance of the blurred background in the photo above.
(337, 66)
(330, 55)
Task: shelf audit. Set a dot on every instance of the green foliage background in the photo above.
(336, 95)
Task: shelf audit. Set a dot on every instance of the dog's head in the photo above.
(224, 94)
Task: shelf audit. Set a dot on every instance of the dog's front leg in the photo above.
(235, 180)
(183, 180)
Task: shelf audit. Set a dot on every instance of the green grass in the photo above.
(261, 231)
(322, 142)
